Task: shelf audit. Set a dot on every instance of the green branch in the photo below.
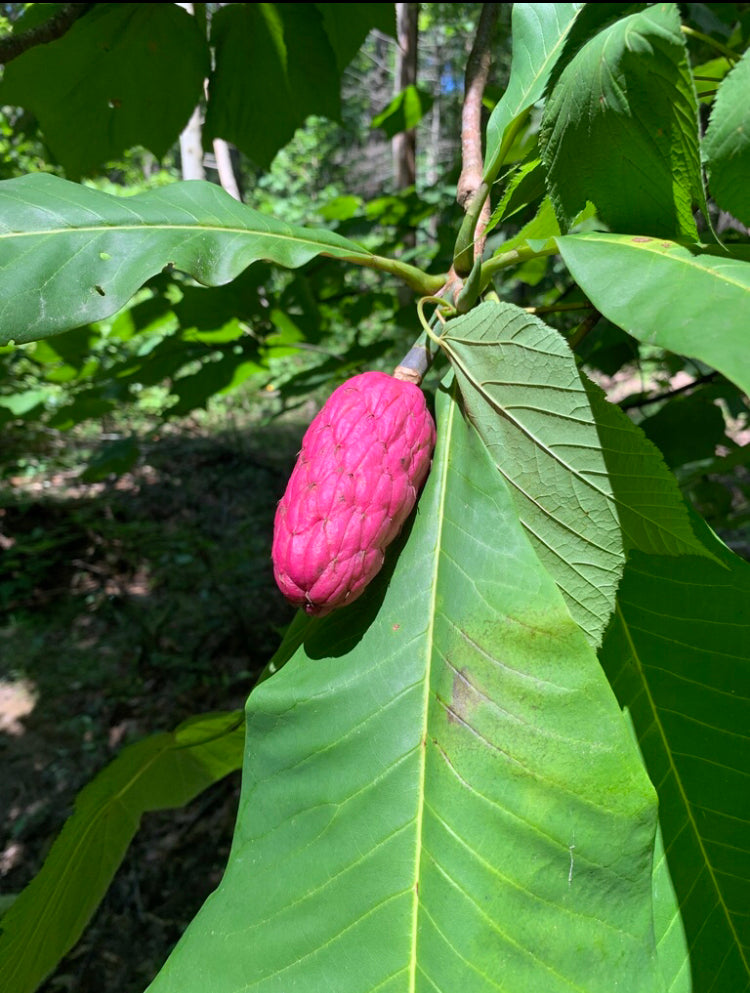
(518, 255)
(421, 282)
(711, 42)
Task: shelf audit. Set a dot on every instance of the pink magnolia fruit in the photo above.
(363, 460)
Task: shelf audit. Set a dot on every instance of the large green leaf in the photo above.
(439, 790)
(580, 477)
(539, 33)
(70, 255)
(693, 301)
(726, 146)
(678, 655)
(161, 772)
(93, 89)
(620, 129)
(671, 943)
(274, 67)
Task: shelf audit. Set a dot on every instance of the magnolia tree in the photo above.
(518, 761)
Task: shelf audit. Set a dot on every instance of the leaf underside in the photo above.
(586, 483)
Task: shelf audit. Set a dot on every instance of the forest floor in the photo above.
(127, 606)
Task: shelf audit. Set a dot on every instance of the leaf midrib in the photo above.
(429, 652)
(198, 228)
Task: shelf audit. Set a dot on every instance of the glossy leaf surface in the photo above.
(70, 255)
(690, 300)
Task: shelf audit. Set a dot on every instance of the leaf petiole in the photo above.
(516, 256)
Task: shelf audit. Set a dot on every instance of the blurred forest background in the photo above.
(141, 458)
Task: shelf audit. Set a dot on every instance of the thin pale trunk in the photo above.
(191, 147)
(224, 167)
(405, 144)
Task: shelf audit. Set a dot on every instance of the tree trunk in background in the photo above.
(224, 167)
(405, 144)
(191, 147)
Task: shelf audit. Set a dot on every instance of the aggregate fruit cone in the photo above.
(363, 461)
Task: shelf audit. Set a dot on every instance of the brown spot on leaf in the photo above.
(463, 698)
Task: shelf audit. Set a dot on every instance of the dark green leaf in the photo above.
(686, 429)
(161, 772)
(608, 350)
(650, 509)
(88, 88)
(408, 820)
(726, 146)
(34, 15)
(678, 656)
(524, 187)
(348, 24)
(114, 457)
(207, 309)
(214, 376)
(274, 66)
(88, 404)
(71, 255)
(620, 129)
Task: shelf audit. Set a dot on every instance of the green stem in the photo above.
(421, 282)
(586, 325)
(711, 42)
(440, 304)
(463, 257)
(523, 254)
